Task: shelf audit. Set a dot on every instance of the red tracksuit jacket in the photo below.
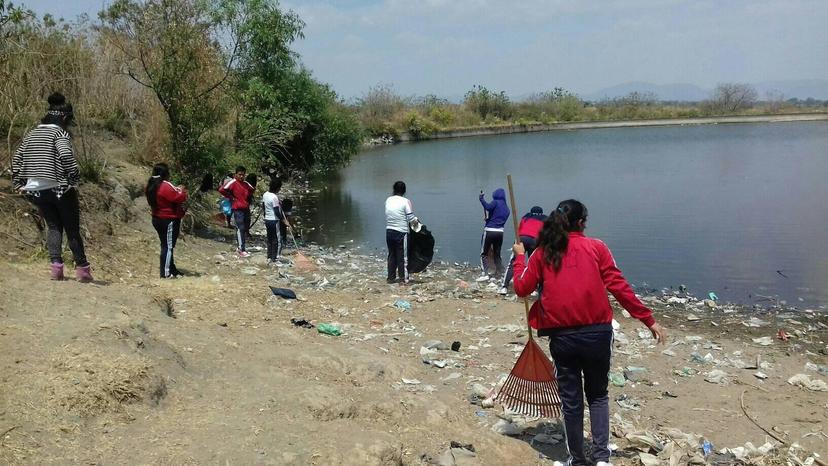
(530, 227)
(169, 201)
(238, 192)
(576, 295)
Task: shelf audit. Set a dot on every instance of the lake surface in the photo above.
(716, 208)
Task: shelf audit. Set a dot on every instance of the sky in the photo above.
(445, 47)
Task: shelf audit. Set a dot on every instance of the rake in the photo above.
(300, 260)
(531, 388)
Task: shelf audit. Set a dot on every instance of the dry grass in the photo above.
(89, 382)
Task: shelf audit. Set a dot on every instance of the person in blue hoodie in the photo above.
(496, 214)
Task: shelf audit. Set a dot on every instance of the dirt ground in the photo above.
(209, 369)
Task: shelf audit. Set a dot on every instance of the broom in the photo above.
(300, 260)
(531, 388)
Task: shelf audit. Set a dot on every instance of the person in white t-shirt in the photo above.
(398, 215)
(273, 216)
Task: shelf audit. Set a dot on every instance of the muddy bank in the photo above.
(533, 128)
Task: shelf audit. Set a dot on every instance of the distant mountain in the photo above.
(799, 88)
(676, 92)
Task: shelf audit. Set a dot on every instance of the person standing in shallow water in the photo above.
(496, 214)
(575, 272)
(398, 215)
(167, 203)
(45, 170)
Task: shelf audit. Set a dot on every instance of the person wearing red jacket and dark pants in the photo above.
(574, 273)
(167, 203)
(240, 192)
(528, 231)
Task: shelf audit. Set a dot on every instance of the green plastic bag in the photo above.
(329, 329)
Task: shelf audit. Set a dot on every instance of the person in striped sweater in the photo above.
(45, 170)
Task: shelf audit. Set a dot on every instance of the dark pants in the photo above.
(242, 219)
(584, 355)
(167, 229)
(283, 233)
(397, 242)
(529, 246)
(61, 214)
(274, 239)
(491, 240)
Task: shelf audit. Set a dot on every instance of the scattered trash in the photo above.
(805, 381)
(693, 318)
(707, 448)
(329, 329)
(301, 322)
(549, 439)
(617, 379)
(634, 374)
(627, 402)
(760, 375)
(764, 341)
(713, 296)
(781, 335)
(411, 381)
(283, 292)
(402, 305)
(754, 322)
(455, 346)
(648, 459)
(504, 427)
(717, 376)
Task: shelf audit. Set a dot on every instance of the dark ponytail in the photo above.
(554, 237)
(160, 173)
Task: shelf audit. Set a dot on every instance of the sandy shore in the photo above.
(209, 369)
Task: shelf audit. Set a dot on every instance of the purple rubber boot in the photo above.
(83, 274)
(56, 271)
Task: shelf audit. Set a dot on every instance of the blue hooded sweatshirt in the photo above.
(497, 212)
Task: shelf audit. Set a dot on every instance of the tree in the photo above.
(287, 120)
(485, 102)
(184, 51)
(733, 97)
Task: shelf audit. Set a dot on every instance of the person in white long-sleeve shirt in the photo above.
(398, 216)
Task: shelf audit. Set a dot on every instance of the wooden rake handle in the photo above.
(517, 240)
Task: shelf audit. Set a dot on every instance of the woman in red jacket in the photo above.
(575, 272)
(167, 203)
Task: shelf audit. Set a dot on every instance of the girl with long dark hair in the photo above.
(45, 170)
(167, 203)
(575, 272)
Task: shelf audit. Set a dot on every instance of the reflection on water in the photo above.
(718, 208)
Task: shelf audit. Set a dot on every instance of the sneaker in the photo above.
(534, 295)
(603, 463)
(244, 254)
(503, 291)
(482, 278)
(83, 274)
(56, 271)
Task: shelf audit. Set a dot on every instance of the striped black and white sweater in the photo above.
(46, 153)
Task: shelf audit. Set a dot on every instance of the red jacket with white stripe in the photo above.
(169, 201)
(238, 192)
(576, 295)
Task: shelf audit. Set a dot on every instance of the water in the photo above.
(717, 208)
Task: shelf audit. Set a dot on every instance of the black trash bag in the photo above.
(420, 249)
